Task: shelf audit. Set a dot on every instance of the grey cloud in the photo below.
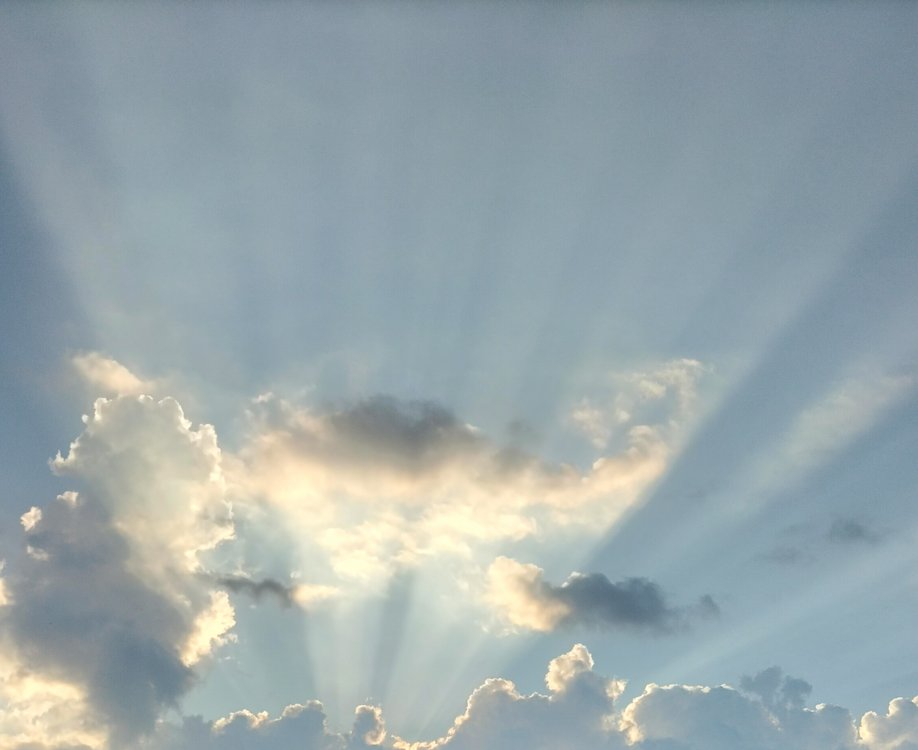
(257, 588)
(410, 436)
(777, 691)
(414, 438)
(520, 592)
(299, 727)
(637, 603)
(82, 616)
(103, 598)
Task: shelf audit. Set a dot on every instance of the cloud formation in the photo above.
(284, 594)
(580, 711)
(106, 602)
(410, 479)
(520, 594)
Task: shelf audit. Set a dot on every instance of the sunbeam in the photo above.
(458, 376)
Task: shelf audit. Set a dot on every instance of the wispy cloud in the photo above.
(109, 377)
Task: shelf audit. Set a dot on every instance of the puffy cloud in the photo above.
(519, 592)
(574, 714)
(896, 730)
(299, 727)
(108, 604)
(685, 717)
(159, 479)
(580, 711)
(109, 376)
(777, 691)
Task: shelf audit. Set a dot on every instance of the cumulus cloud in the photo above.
(107, 605)
(298, 727)
(896, 730)
(521, 595)
(159, 478)
(580, 711)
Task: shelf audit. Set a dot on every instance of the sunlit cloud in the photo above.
(107, 600)
(581, 710)
(109, 377)
(383, 483)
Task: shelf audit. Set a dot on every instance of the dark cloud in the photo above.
(410, 436)
(637, 603)
(81, 615)
(257, 588)
(521, 594)
(777, 691)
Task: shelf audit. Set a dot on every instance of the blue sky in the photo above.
(437, 339)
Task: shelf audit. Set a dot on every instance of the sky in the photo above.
(459, 376)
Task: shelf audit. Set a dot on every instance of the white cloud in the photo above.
(665, 395)
(39, 711)
(896, 730)
(160, 479)
(210, 629)
(110, 377)
(30, 518)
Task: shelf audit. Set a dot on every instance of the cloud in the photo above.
(82, 616)
(160, 479)
(108, 376)
(299, 727)
(580, 711)
(107, 602)
(41, 712)
(664, 393)
(521, 595)
(285, 594)
(896, 730)
(777, 691)
(382, 483)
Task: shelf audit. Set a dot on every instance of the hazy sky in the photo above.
(476, 375)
